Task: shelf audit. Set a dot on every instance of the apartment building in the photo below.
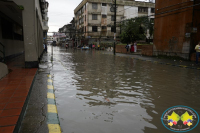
(94, 19)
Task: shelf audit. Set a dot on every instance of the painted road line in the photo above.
(52, 113)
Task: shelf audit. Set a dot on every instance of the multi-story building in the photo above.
(177, 27)
(11, 30)
(34, 29)
(45, 20)
(94, 19)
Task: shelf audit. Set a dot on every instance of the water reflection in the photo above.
(105, 94)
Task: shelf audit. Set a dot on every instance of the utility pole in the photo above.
(115, 11)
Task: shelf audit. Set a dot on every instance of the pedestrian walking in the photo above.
(127, 48)
(197, 48)
(132, 48)
(135, 46)
(44, 47)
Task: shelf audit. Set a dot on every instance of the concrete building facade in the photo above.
(177, 28)
(11, 30)
(95, 20)
(33, 20)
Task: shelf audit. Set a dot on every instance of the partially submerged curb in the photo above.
(52, 113)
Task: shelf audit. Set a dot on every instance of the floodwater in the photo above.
(102, 93)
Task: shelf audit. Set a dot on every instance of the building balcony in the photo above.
(46, 10)
(46, 28)
(45, 25)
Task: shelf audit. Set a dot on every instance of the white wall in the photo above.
(130, 12)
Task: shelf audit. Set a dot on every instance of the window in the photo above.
(103, 4)
(103, 27)
(94, 16)
(152, 10)
(112, 29)
(85, 17)
(94, 28)
(104, 16)
(112, 18)
(94, 6)
(143, 9)
(85, 28)
(152, 20)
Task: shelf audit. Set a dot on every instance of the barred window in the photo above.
(143, 9)
(94, 16)
(152, 10)
(104, 16)
(94, 28)
(94, 6)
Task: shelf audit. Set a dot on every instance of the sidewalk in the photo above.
(14, 91)
(170, 62)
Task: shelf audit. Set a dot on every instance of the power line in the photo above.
(168, 11)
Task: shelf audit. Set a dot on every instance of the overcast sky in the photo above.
(61, 12)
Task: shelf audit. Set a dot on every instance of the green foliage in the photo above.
(135, 29)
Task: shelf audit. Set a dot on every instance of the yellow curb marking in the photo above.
(50, 86)
(50, 95)
(52, 108)
(49, 80)
(54, 128)
(49, 76)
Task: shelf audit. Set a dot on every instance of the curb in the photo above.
(52, 113)
(157, 62)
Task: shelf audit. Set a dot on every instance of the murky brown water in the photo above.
(101, 93)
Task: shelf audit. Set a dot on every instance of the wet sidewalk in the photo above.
(163, 61)
(14, 91)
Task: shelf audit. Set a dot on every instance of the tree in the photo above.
(135, 29)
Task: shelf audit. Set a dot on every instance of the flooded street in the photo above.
(102, 93)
